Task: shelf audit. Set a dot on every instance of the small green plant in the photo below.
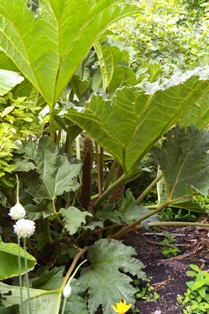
(174, 214)
(147, 293)
(196, 298)
(170, 249)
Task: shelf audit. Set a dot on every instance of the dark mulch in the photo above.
(168, 275)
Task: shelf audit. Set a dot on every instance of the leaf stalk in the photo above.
(148, 189)
(67, 276)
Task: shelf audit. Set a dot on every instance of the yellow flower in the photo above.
(121, 307)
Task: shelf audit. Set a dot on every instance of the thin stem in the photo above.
(101, 165)
(26, 276)
(78, 255)
(77, 268)
(110, 174)
(17, 191)
(153, 183)
(63, 305)
(20, 276)
(113, 186)
(51, 126)
(178, 223)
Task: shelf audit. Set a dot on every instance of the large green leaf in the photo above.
(6, 62)
(105, 280)
(9, 257)
(73, 218)
(8, 79)
(42, 301)
(47, 46)
(128, 125)
(198, 114)
(54, 174)
(48, 280)
(184, 161)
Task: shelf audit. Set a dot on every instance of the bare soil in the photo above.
(168, 275)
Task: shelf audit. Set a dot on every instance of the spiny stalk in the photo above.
(86, 186)
(117, 194)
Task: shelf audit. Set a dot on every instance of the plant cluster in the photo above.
(147, 293)
(175, 214)
(19, 121)
(169, 249)
(196, 297)
(170, 35)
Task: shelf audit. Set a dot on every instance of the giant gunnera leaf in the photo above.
(184, 161)
(106, 278)
(48, 43)
(130, 123)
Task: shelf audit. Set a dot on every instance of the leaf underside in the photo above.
(128, 125)
(53, 41)
(184, 161)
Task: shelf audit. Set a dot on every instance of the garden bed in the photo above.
(168, 275)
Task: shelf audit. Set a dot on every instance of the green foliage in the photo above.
(170, 249)
(174, 214)
(147, 293)
(196, 297)
(42, 301)
(8, 256)
(125, 119)
(48, 28)
(179, 151)
(73, 218)
(122, 137)
(127, 213)
(172, 33)
(47, 173)
(8, 80)
(114, 61)
(76, 304)
(18, 121)
(202, 200)
(47, 280)
(106, 279)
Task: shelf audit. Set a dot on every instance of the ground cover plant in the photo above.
(99, 110)
(195, 299)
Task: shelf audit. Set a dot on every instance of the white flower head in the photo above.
(24, 228)
(17, 212)
(67, 291)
